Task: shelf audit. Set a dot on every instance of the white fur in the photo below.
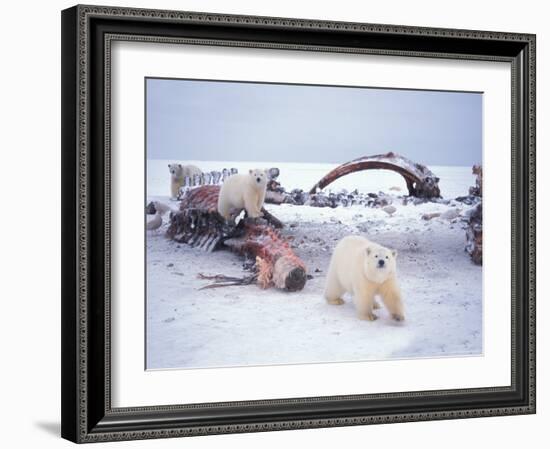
(240, 192)
(354, 268)
(178, 173)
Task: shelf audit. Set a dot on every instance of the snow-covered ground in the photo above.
(244, 325)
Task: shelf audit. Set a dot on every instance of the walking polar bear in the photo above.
(364, 269)
(178, 173)
(246, 191)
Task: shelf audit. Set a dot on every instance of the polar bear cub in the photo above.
(246, 191)
(178, 173)
(364, 269)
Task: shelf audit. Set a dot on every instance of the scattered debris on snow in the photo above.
(430, 215)
(450, 214)
(154, 223)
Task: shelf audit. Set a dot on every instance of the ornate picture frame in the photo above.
(87, 411)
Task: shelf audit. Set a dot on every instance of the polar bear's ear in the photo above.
(368, 250)
(394, 253)
(179, 165)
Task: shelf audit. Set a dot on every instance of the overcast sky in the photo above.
(205, 120)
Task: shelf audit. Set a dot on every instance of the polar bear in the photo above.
(246, 191)
(178, 174)
(365, 269)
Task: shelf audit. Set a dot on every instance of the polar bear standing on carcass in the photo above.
(246, 191)
(364, 269)
(178, 173)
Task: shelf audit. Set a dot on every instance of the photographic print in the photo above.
(293, 224)
(309, 210)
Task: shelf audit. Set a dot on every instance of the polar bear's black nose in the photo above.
(258, 179)
(381, 263)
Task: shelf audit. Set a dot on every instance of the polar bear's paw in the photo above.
(368, 316)
(398, 316)
(336, 302)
